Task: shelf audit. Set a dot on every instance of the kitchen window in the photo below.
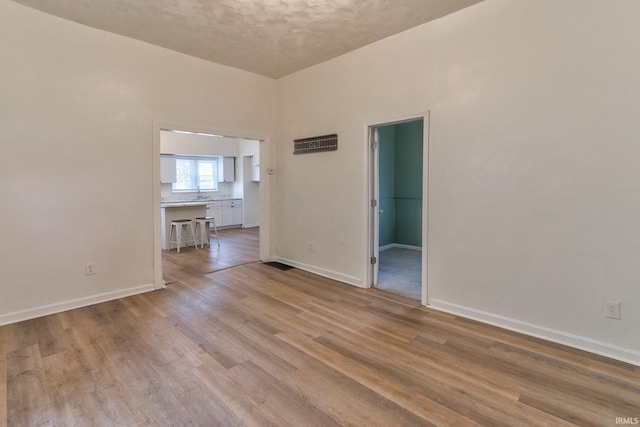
(196, 174)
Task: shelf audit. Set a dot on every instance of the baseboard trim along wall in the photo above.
(351, 280)
(399, 245)
(559, 337)
(45, 310)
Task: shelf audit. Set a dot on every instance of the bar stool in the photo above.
(202, 226)
(178, 225)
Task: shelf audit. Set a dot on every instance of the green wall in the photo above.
(386, 196)
(400, 171)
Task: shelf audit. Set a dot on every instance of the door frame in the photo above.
(372, 190)
(265, 189)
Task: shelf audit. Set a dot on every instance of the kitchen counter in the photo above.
(182, 210)
(198, 202)
(227, 211)
(184, 203)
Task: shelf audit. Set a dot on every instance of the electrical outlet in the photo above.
(90, 269)
(612, 310)
(312, 246)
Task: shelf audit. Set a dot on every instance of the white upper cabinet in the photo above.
(167, 169)
(227, 170)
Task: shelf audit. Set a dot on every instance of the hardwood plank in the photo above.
(27, 397)
(64, 379)
(366, 385)
(442, 384)
(214, 405)
(219, 344)
(552, 350)
(51, 339)
(7, 336)
(17, 335)
(105, 363)
(277, 399)
(256, 346)
(270, 353)
(237, 246)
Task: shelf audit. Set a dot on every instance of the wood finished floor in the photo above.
(252, 345)
(237, 246)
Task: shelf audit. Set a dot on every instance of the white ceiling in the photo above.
(269, 37)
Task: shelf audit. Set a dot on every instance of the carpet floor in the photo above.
(400, 272)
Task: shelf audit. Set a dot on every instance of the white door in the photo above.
(375, 208)
(377, 272)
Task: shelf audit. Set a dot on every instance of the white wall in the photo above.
(250, 189)
(534, 198)
(184, 143)
(77, 107)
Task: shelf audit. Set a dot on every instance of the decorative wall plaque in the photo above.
(315, 144)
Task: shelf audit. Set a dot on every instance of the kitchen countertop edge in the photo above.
(191, 203)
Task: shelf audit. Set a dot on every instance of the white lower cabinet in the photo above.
(232, 212)
(215, 210)
(226, 212)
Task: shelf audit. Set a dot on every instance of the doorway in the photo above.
(398, 184)
(248, 238)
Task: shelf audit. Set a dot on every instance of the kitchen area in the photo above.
(208, 175)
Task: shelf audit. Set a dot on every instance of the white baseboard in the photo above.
(399, 245)
(351, 280)
(571, 340)
(251, 225)
(45, 310)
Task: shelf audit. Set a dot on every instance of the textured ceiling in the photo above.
(269, 37)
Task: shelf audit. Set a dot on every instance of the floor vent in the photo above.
(279, 265)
